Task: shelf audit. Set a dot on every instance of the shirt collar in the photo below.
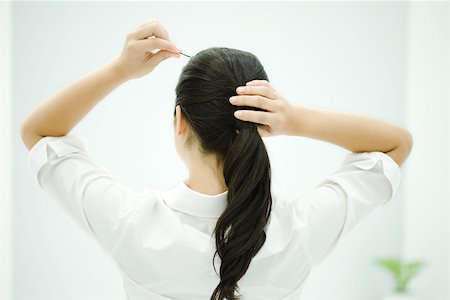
(185, 199)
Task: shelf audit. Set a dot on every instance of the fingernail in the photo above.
(249, 83)
(233, 100)
(238, 113)
(240, 89)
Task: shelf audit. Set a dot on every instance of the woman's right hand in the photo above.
(275, 120)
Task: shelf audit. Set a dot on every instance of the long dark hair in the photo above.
(203, 91)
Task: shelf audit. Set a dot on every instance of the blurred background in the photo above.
(389, 60)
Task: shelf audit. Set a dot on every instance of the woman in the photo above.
(167, 243)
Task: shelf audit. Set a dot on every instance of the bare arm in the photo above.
(57, 115)
(355, 132)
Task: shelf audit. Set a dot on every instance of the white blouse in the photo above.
(162, 240)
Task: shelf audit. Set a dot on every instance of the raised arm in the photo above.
(355, 132)
(59, 113)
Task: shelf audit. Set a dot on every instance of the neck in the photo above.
(206, 179)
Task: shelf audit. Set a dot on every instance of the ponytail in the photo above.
(239, 231)
(202, 91)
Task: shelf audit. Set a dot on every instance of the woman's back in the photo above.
(167, 249)
(162, 240)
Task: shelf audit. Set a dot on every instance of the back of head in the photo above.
(203, 91)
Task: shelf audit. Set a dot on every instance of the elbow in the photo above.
(25, 134)
(25, 127)
(409, 141)
(29, 137)
(405, 147)
(24, 131)
(401, 152)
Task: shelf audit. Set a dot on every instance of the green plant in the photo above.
(403, 272)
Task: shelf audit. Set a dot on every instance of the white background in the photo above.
(384, 59)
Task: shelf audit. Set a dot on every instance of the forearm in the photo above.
(352, 131)
(58, 114)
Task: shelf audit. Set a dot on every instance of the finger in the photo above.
(157, 43)
(152, 28)
(255, 101)
(262, 130)
(260, 117)
(143, 24)
(260, 82)
(257, 90)
(149, 22)
(160, 56)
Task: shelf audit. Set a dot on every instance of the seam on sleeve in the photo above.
(118, 238)
(125, 228)
(301, 228)
(342, 195)
(81, 205)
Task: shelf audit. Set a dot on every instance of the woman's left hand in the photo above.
(137, 58)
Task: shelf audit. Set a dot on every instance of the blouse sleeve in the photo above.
(363, 182)
(86, 191)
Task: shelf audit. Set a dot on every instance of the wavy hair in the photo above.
(202, 92)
